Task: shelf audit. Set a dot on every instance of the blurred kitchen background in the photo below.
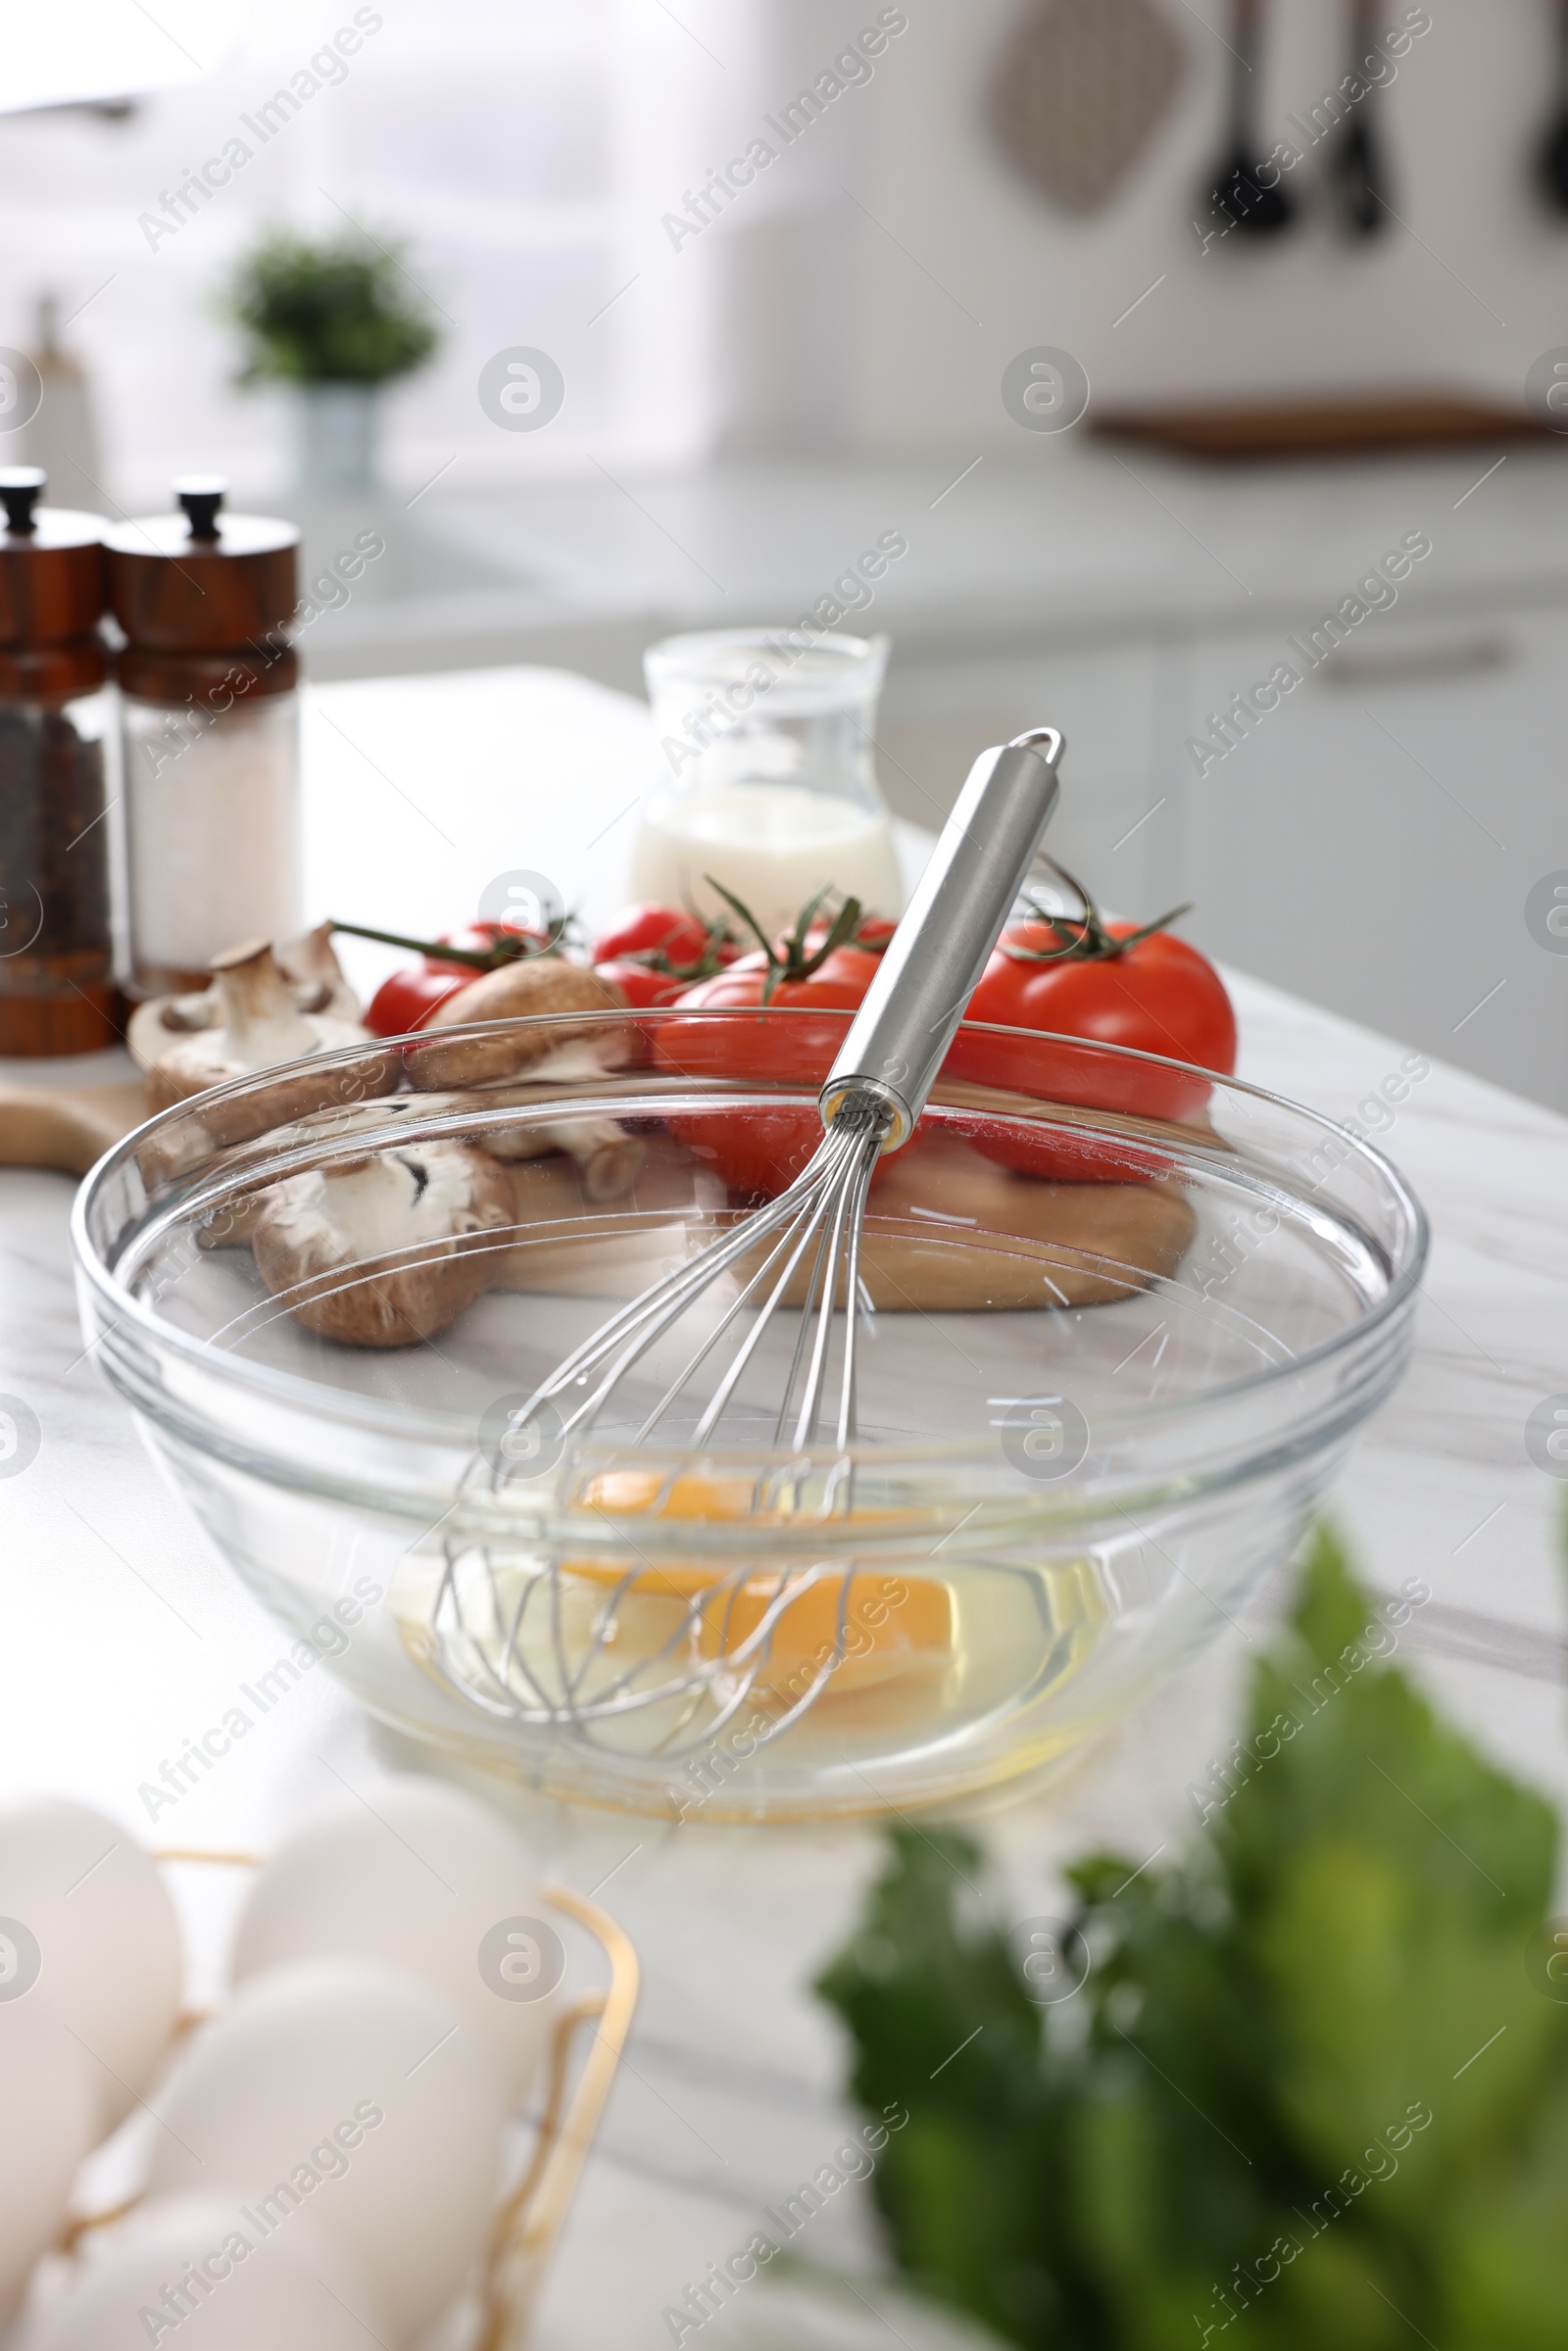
(724, 399)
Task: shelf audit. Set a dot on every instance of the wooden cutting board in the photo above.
(65, 1127)
(1030, 1244)
(1033, 1243)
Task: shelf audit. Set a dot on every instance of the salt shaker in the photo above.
(209, 733)
(57, 992)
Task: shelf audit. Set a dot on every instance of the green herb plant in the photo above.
(1312, 2092)
(332, 313)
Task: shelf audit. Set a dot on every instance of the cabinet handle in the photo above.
(1438, 663)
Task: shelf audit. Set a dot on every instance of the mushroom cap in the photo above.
(542, 984)
(309, 1095)
(163, 1021)
(384, 1250)
(198, 1062)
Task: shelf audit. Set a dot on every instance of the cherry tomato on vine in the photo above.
(406, 999)
(1118, 983)
(680, 939)
(483, 938)
(641, 984)
(761, 1151)
(873, 933)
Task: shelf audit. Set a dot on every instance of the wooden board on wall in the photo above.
(1231, 431)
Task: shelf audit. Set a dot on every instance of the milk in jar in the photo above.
(765, 780)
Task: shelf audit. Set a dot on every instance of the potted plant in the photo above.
(334, 321)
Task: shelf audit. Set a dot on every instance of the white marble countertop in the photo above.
(122, 1634)
(1071, 542)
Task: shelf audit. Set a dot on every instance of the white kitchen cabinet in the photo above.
(1117, 705)
(1370, 845)
(1373, 842)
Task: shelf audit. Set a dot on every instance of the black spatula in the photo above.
(1553, 161)
(1358, 167)
(1249, 206)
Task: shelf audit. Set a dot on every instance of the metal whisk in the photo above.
(874, 1094)
(545, 1641)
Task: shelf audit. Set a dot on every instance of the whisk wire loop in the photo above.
(645, 1319)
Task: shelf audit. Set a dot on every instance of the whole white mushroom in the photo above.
(192, 2270)
(49, 2115)
(89, 1901)
(430, 1879)
(349, 2092)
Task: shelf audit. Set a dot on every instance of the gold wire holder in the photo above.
(528, 2223)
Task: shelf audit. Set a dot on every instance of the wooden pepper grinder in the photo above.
(57, 992)
(209, 732)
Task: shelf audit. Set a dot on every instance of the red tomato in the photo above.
(873, 931)
(762, 1150)
(641, 984)
(801, 1050)
(406, 999)
(478, 939)
(1160, 995)
(680, 938)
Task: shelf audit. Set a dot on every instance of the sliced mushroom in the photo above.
(308, 964)
(384, 1250)
(544, 984)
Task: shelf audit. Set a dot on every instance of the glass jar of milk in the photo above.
(765, 780)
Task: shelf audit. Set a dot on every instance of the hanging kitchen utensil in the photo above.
(1553, 161)
(1357, 161)
(1080, 88)
(1239, 193)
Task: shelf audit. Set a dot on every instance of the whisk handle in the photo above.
(901, 1034)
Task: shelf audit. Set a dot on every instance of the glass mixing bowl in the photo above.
(1120, 1323)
